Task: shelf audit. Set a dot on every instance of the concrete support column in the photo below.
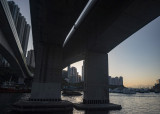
(47, 79)
(96, 78)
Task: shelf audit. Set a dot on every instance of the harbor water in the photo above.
(139, 103)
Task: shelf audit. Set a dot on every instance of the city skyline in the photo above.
(136, 59)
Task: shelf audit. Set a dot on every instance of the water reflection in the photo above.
(73, 99)
(6, 100)
(85, 112)
(147, 103)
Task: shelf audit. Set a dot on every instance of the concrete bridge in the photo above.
(10, 46)
(106, 26)
(100, 27)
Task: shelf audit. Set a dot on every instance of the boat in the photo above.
(129, 91)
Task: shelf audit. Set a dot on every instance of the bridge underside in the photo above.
(107, 25)
(7, 52)
(51, 22)
(10, 46)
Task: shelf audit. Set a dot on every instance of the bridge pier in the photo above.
(46, 87)
(47, 79)
(96, 88)
(96, 80)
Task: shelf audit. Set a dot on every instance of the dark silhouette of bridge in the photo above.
(100, 27)
(10, 46)
(92, 31)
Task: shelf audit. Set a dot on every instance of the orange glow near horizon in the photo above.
(136, 80)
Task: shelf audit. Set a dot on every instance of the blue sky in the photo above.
(137, 59)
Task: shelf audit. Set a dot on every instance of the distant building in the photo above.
(83, 72)
(79, 79)
(20, 27)
(109, 79)
(25, 38)
(30, 58)
(69, 70)
(73, 75)
(120, 80)
(158, 81)
(73, 79)
(73, 71)
(23, 29)
(115, 81)
(64, 74)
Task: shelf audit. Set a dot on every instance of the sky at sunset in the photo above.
(137, 59)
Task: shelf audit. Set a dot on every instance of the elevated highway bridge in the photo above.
(10, 46)
(102, 25)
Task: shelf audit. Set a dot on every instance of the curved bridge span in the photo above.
(10, 46)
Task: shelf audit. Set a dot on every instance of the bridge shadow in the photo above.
(7, 99)
(86, 112)
(96, 112)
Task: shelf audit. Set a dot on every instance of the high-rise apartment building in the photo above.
(69, 69)
(25, 38)
(158, 81)
(120, 80)
(115, 81)
(83, 72)
(31, 58)
(20, 27)
(79, 79)
(73, 75)
(64, 74)
(73, 71)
